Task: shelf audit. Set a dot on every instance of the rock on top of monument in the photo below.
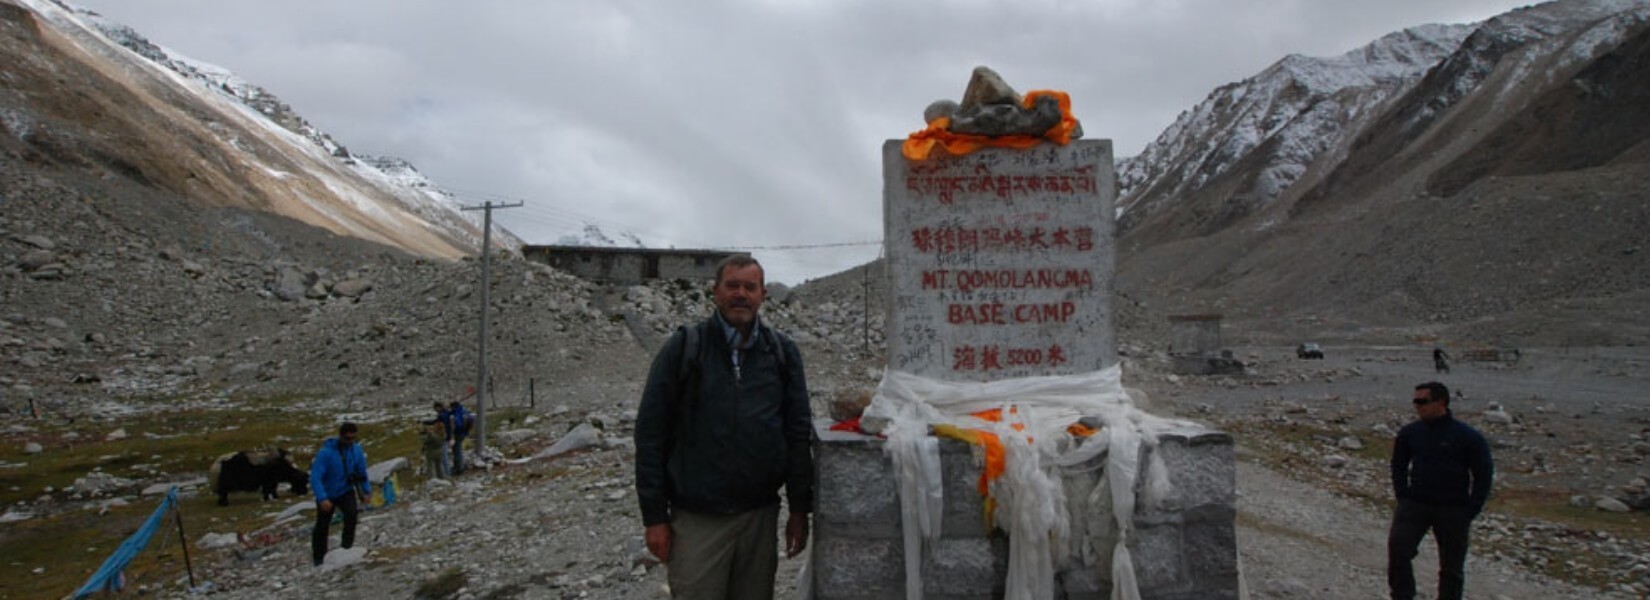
(986, 87)
(990, 107)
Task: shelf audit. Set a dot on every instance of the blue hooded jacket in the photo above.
(329, 472)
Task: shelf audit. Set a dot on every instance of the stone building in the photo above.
(629, 266)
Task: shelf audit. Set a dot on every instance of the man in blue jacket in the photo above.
(724, 423)
(458, 428)
(1441, 475)
(339, 477)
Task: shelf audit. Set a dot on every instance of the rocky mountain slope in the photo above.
(95, 95)
(1489, 198)
(1243, 146)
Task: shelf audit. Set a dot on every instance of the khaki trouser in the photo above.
(716, 557)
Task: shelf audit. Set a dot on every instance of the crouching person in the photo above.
(339, 477)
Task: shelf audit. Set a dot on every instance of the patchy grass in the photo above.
(1297, 448)
(1580, 525)
(1281, 446)
(1553, 506)
(66, 547)
(163, 444)
(68, 538)
(445, 584)
(1278, 445)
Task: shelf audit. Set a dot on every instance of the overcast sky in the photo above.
(729, 123)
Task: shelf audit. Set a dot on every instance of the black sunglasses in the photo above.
(1423, 401)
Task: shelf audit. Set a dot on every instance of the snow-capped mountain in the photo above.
(1487, 176)
(593, 235)
(1255, 141)
(1490, 81)
(231, 142)
(1249, 141)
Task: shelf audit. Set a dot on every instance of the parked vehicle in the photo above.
(1309, 350)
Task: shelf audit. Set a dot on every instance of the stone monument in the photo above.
(1000, 261)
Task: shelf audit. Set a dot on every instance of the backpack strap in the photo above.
(690, 353)
(778, 350)
(776, 345)
(687, 384)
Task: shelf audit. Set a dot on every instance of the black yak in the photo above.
(261, 471)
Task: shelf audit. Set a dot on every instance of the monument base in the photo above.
(1184, 548)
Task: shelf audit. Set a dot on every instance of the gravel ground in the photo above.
(1311, 530)
(567, 526)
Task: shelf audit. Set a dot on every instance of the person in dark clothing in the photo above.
(458, 428)
(1441, 476)
(724, 423)
(1440, 360)
(444, 418)
(339, 477)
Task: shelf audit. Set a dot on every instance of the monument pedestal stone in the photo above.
(1185, 549)
(1000, 265)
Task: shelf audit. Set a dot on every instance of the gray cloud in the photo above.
(726, 122)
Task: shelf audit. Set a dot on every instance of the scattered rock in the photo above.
(339, 558)
(583, 436)
(218, 540)
(1609, 504)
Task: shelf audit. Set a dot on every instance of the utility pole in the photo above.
(481, 352)
(881, 254)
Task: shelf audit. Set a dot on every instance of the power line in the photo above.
(809, 246)
(553, 215)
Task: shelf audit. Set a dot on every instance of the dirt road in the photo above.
(1298, 540)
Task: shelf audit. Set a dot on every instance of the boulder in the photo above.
(33, 260)
(1609, 504)
(352, 288)
(583, 436)
(38, 241)
(289, 284)
(986, 87)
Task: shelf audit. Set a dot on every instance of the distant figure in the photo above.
(724, 423)
(459, 428)
(1440, 360)
(445, 418)
(1441, 475)
(432, 438)
(339, 476)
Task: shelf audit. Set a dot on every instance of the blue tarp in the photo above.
(108, 577)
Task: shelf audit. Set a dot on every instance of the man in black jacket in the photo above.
(1441, 475)
(724, 423)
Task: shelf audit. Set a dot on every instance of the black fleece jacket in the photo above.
(1442, 462)
(752, 430)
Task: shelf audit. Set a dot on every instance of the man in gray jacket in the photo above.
(724, 423)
